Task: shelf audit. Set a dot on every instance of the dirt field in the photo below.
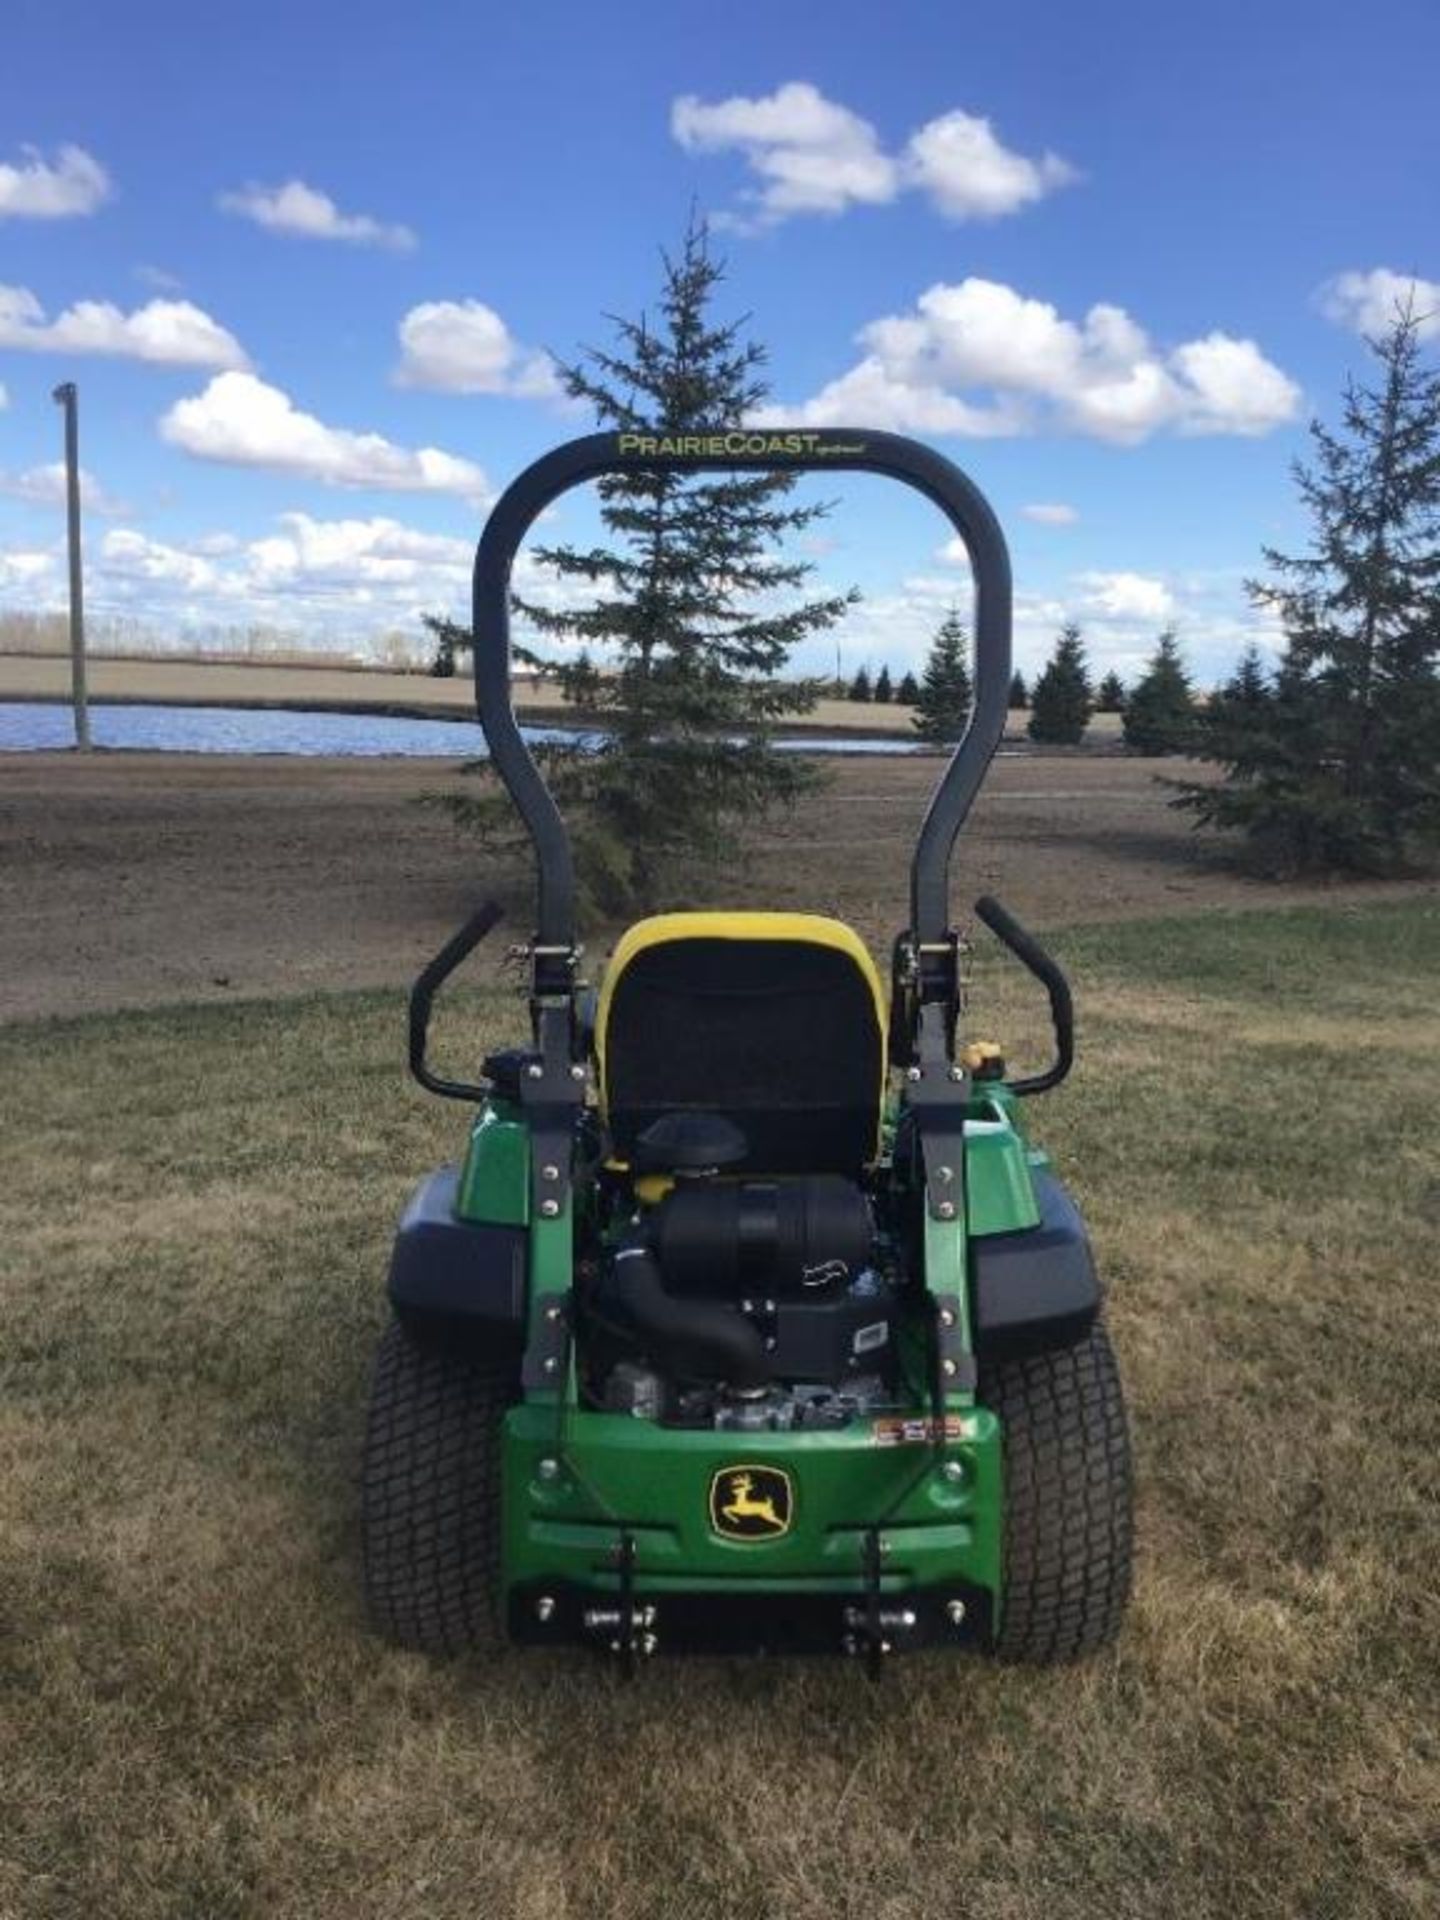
(347, 688)
(130, 880)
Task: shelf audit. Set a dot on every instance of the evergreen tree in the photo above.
(1111, 695)
(696, 613)
(860, 688)
(1019, 692)
(1160, 713)
(1060, 706)
(908, 691)
(1247, 687)
(450, 639)
(945, 697)
(1339, 764)
(884, 691)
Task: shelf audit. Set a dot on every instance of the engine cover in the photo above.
(803, 1239)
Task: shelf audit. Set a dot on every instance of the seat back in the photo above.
(775, 1020)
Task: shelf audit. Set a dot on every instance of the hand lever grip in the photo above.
(1028, 950)
(457, 948)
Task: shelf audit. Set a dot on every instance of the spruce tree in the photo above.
(884, 690)
(1160, 713)
(860, 688)
(942, 707)
(694, 610)
(1060, 705)
(908, 691)
(450, 639)
(1339, 764)
(1110, 697)
(1019, 692)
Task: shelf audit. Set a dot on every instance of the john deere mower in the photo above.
(752, 1319)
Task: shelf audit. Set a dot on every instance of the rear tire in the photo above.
(1067, 1491)
(430, 1497)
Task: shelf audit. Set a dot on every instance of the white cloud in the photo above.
(35, 190)
(979, 359)
(370, 553)
(166, 333)
(158, 278)
(1051, 513)
(1126, 596)
(240, 421)
(1235, 388)
(130, 556)
(25, 570)
(298, 209)
(970, 175)
(463, 346)
(45, 487)
(1370, 302)
(814, 156)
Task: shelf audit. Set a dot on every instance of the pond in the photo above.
(39, 726)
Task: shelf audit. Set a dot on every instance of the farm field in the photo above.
(194, 1223)
(262, 683)
(132, 879)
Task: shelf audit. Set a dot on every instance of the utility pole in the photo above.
(66, 397)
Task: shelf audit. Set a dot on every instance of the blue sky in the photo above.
(308, 263)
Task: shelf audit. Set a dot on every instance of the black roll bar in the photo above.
(753, 450)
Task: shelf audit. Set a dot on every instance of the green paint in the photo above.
(495, 1180)
(655, 1480)
(999, 1193)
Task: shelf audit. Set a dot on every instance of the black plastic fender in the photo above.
(455, 1283)
(1037, 1288)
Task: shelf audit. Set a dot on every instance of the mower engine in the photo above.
(759, 1305)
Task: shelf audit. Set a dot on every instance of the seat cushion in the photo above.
(775, 1021)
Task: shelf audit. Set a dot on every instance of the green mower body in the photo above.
(752, 1320)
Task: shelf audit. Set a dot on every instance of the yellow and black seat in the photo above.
(774, 1021)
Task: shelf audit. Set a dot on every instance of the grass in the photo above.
(193, 1228)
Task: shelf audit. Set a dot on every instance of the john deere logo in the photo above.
(751, 1503)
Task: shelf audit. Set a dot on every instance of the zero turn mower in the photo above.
(752, 1319)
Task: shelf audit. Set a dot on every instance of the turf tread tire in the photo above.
(1068, 1526)
(430, 1497)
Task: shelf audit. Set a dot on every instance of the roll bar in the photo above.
(750, 450)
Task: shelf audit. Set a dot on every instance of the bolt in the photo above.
(954, 1471)
(577, 1073)
(553, 1313)
(912, 1073)
(946, 1209)
(945, 1175)
(549, 1208)
(534, 1071)
(957, 1073)
(545, 1605)
(955, 1612)
(552, 1365)
(649, 1642)
(947, 1316)
(947, 1367)
(548, 1469)
(549, 1173)
(770, 1345)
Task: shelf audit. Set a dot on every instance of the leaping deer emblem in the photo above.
(739, 1509)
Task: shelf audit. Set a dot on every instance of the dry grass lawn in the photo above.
(194, 1219)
